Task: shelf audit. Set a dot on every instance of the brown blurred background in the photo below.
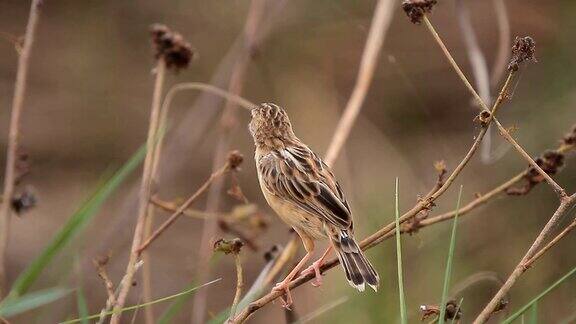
(87, 109)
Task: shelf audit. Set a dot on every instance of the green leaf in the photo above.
(15, 306)
(448, 273)
(537, 298)
(74, 225)
(130, 308)
(534, 313)
(403, 313)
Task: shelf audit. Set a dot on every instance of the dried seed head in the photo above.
(171, 47)
(523, 50)
(570, 138)
(484, 118)
(416, 9)
(233, 246)
(453, 312)
(235, 158)
(23, 201)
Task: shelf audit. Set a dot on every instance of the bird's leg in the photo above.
(284, 285)
(315, 268)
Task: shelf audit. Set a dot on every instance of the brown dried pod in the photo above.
(523, 50)
(171, 47)
(416, 9)
(228, 246)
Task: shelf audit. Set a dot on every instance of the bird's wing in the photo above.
(298, 176)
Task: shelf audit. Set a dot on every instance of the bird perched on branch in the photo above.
(302, 190)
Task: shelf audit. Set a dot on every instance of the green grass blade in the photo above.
(15, 306)
(537, 298)
(173, 309)
(403, 313)
(74, 225)
(82, 305)
(130, 308)
(534, 313)
(448, 273)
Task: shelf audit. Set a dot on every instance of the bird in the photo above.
(303, 192)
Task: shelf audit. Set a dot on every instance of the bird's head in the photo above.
(270, 125)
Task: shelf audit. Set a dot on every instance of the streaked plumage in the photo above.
(302, 190)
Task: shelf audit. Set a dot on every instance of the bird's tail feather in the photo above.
(358, 269)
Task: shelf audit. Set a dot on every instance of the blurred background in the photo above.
(87, 108)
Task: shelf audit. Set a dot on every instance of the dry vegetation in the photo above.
(233, 221)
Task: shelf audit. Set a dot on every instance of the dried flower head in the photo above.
(570, 138)
(228, 246)
(523, 50)
(235, 158)
(171, 47)
(484, 117)
(23, 201)
(416, 9)
(453, 312)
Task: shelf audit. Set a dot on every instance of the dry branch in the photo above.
(14, 135)
(378, 29)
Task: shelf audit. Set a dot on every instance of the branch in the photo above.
(557, 188)
(523, 265)
(14, 135)
(378, 28)
(180, 211)
(145, 189)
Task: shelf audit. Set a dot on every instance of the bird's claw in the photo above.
(284, 286)
(314, 268)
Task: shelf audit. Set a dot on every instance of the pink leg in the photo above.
(315, 268)
(284, 285)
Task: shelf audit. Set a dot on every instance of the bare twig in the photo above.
(378, 29)
(523, 265)
(172, 207)
(552, 242)
(557, 188)
(14, 135)
(103, 274)
(180, 211)
(145, 188)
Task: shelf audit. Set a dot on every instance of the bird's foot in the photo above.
(315, 268)
(285, 287)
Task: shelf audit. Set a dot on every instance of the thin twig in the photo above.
(172, 207)
(145, 188)
(14, 135)
(552, 242)
(378, 29)
(180, 211)
(239, 286)
(522, 266)
(108, 284)
(557, 188)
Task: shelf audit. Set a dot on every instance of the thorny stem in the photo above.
(557, 188)
(239, 286)
(14, 135)
(378, 29)
(145, 189)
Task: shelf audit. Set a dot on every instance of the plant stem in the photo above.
(145, 189)
(14, 136)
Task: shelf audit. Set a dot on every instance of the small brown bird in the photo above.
(302, 190)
